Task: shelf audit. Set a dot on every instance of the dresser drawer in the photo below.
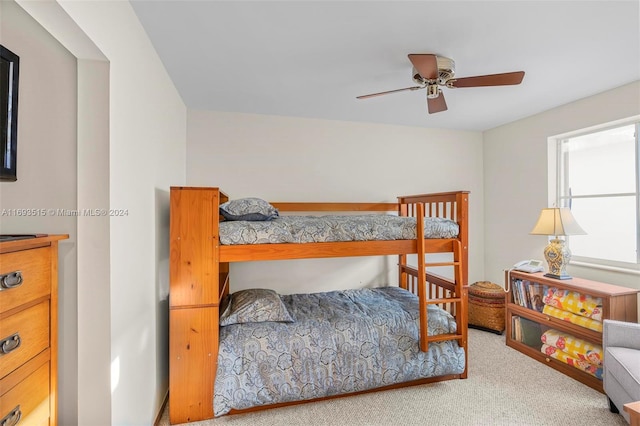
(31, 326)
(29, 399)
(34, 266)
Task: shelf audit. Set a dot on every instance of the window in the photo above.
(598, 178)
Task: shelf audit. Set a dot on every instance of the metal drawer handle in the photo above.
(12, 418)
(10, 280)
(10, 344)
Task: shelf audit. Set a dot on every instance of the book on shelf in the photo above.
(516, 286)
(516, 332)
(528, 294)
(536, 292)
(519, 293)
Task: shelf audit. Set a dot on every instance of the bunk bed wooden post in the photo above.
(462, 292)
(462, 210)
(462, 289)
(402, 259)
(422, 278)
(197, 282)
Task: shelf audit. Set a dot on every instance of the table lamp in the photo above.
(557, 222)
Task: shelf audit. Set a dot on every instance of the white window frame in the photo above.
(555, 191)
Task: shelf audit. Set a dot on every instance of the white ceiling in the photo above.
(312, 58)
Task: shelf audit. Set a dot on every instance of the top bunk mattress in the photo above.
(333, 228)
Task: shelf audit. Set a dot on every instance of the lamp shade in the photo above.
(556, 221)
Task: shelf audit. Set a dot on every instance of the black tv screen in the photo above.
(9, 72)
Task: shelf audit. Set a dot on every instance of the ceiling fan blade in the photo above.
(426, 64)
(389, 91)
(436, 104)
(504, 79)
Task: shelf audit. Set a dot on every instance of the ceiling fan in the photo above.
(431, 71)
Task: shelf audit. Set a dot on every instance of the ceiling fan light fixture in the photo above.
(433, 91)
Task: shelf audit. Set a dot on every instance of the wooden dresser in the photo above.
(29, 330)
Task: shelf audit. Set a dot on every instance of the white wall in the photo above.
(296, 159)
(94, 301)
(140, 147)
(515, 174)
(47, 175)
(147, 156)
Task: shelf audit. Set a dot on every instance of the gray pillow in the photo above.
(255, 305)
(248, 209)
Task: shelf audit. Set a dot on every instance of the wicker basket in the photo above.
(486, 306)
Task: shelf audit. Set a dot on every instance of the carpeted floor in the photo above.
(504, 387)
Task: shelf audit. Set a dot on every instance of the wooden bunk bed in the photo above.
(199, 279)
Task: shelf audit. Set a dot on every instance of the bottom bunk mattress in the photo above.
(323, 344)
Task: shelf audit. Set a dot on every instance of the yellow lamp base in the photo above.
(558, 256)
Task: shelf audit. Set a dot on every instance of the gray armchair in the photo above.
(621, 368)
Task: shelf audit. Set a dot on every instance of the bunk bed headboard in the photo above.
(194, 258)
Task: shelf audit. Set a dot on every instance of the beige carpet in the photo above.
(504, 387)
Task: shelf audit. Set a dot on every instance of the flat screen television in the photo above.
(9, 73)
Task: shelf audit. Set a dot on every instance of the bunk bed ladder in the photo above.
(460, 298)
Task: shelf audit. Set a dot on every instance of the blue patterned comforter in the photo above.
(340, 342)
(331, 228)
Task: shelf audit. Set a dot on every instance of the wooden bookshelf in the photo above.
(619, 303)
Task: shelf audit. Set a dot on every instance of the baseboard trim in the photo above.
(162, 407)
